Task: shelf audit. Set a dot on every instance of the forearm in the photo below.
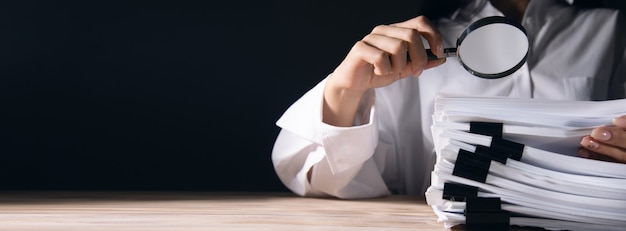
(340, 105)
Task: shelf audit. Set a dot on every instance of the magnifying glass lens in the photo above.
(492, 47)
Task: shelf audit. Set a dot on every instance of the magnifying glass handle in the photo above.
(447, 52)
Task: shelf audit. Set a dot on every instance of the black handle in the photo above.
(447, 52)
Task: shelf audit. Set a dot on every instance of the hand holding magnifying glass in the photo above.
(491, 48)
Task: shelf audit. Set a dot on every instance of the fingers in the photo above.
(585, 153)
(613, 136)
(412, 42)
(426, 29)
(606, 142)
(395, 50)
(375, 56)
(380, 58)
(604, 147)
(406, 37)
(620, 122)
(434, 63)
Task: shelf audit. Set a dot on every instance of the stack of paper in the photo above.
(505, 162)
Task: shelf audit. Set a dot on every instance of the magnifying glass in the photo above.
(491, 48)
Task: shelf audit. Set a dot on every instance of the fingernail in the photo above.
(592, 144)
(417, 72)
(601, 134)
(440, 51)
(620, 121)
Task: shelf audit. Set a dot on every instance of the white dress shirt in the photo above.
(575, 55)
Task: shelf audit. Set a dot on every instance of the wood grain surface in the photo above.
(184, 211)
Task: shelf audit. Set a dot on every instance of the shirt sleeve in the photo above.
(340, 157)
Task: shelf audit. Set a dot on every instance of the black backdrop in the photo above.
(162, 95)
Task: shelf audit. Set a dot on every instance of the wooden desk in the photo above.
(191, 211)
(186, 211)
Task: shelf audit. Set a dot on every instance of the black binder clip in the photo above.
(491, 154)
(458, 192)
(513, 149)
(470, 166)
(485, 213)
(486, 128)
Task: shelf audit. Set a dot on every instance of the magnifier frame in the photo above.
(483, 22)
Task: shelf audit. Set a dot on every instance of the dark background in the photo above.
(163, 95)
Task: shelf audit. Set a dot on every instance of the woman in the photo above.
(364, 130)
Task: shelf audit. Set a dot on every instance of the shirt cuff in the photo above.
(345, 147)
